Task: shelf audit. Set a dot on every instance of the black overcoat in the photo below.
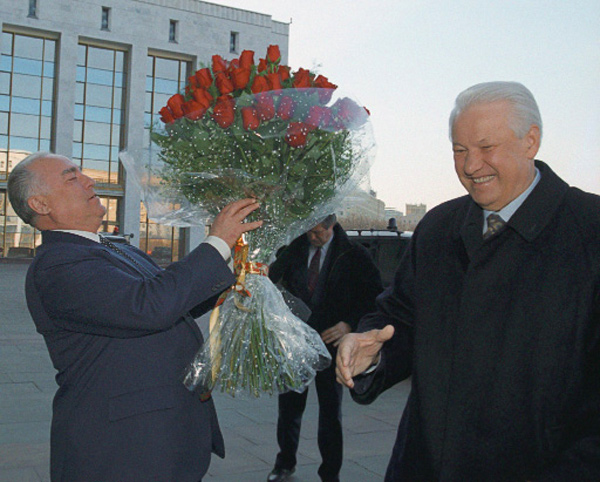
(501, 338)
(347, 288)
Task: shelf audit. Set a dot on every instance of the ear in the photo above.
(39, 204)
(533, 139)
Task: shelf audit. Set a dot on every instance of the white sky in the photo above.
(406, 60)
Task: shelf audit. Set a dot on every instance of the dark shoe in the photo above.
(280, 475)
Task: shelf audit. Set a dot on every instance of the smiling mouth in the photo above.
(479, 180)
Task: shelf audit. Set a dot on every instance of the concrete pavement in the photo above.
(27, 387)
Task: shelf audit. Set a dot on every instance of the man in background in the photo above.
(338, 281)
(120, 332)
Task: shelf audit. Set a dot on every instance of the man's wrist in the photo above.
(220, 245)
(373, 365)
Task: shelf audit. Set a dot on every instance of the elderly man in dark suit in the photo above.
(120, 332)
(339, 282)
(495, 312)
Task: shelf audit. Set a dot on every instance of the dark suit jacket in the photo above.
(120, 339)
(348, 282)
(502, 338)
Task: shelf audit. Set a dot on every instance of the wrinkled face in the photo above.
(68, 200)
(319, 235)
(492, 163)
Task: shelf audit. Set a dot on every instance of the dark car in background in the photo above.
(386, 248)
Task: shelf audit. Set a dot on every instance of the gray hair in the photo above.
(525, 109)
(329, 221)
(23, 183)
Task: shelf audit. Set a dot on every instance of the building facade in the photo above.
(362, 210)
(86, 79)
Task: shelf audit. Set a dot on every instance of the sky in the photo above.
(407, 60)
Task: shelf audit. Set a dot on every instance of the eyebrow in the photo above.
(71, 170)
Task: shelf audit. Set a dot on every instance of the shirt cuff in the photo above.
(373, 367)
(221, 246)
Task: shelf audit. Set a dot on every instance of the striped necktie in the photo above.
(313, 270)
(122, 252)
(495, 224)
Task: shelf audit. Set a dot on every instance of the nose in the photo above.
(473, 162)
(88, 181)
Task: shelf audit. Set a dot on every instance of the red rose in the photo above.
(322, 82)
(274, 81)
(319, 116)
(265, 107)
(193, 110)
(166, 116)
(285, 110)
(327, 87)
(223, 112)
(259, 84)
(240, 77)
(203, 97)
(262, 65)
(204, 78)
(349, 113)
(224, 84)
(234, 64)
(301, 79)
(218, 64)
(273, 54)
(250, 118)
(296, 134)
(247, 59)
(284, 72)
(174, 104)
(192, 82)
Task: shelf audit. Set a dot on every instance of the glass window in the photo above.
(99, 101)
(6, 63)
(233, 42)
(7, 43)
(26, 86)
(98, 76)
(4, 123)
(97, 133)
(173, 30)
(4, 83)
(32, 8)
(28, 47)
(25, 125)
(105, 20)
(99, 95)
(48, 88)
(100, 58)
(22, 105)
(27, 66)
(23, 144)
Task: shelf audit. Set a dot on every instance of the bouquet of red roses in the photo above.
(289, 140)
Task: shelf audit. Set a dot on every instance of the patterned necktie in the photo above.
(116, 249)
(313, 270)
(495, 224)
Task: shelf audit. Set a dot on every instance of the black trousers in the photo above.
(291, 409)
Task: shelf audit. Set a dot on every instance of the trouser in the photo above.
(291, 408)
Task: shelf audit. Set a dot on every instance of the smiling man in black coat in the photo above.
(339, 282)
(494, 312)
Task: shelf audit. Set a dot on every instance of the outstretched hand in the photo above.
(358, 351)
(228, 224)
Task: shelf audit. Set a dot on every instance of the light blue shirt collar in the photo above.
(511, 208)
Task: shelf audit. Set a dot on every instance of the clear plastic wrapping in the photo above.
(296, 145)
